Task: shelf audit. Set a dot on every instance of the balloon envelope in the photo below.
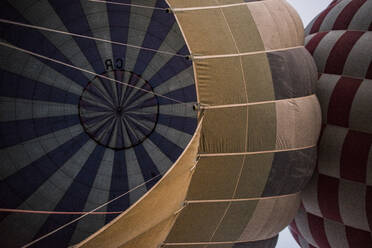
(337, 204)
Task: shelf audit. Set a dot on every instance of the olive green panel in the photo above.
(215, 178)
(255, 173)
(261, 127)
(235, 221)
(220, 81)
(224, 130)
(197, 222)
(206, 32)
(258, 78)
(243, 28)
(234, 80)
(277, 27)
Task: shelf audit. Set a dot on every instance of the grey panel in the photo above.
(309, 26)
(185, 110)
(324, 48)
(181, 80)
(99, 25)
(310, 196)
(32, 68)
(50, 193)
(336, 234)
(303, 226)
(20, 109)
(324, 90)
(16, 157)
(138, 23)
(172, 43)
(98, 195)
(363, 18)
(330, 149)
(308, 38)
(331, 17)
(361, 110)
(40, 13)
(135, 177)
(360, 57)
(293, 72)
(162, 162)
(352, 196)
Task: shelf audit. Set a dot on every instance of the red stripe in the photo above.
(354, 156)
(316, 26)
(358, 238)
(328, 197)
(346, 16)
(340, 52)
(314, 42)
(369, 206)
(341, 101)
(316, 225)
(370, 27)
(369, 72)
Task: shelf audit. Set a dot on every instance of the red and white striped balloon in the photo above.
(337, 204)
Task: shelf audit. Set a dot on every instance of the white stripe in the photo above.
(205, 155)
(198, 57)
(208, 7)
(254, 103)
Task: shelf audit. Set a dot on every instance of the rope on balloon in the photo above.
(88, 213)
(91, 38)
(87, 71)
(129, 5)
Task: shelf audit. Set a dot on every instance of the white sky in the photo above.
(307, 9)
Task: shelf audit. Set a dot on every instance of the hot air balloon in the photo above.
(152, 123)
(337, 204)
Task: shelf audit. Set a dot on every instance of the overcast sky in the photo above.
(307, 9)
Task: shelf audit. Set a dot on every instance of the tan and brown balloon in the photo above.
(337, 204)
(191, 123)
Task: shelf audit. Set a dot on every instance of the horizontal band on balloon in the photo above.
(254, 26)
(269, 127)
(243, 221)
(256, 78)
(250, 176)
(342, 52)
(238, 199)
(206, 107)
(201, 57)
(267, 243)
(192, 4)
